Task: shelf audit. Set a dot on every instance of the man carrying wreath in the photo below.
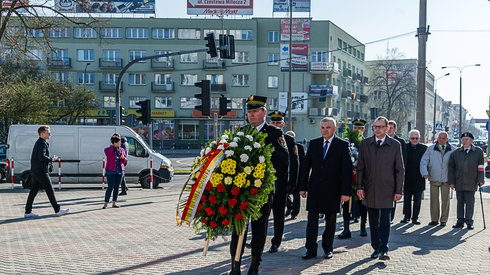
(256, 114)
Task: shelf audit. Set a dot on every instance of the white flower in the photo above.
(228, 180)
(223, 141)
(261, 159)
(202, 152)
(213, 143)
(240, 134)
(229, 153)
(221, 147)
(247, 170)
(233, 144)
(248, 147)
(225, 137)
(243, 157)
(249, 137)
(236, 139)
(257, 183)
(207, 150)
(256, 145)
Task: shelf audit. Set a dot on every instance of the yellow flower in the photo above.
(257, 183)
(239, 180)
(259, 172)
(228, 166)
(228, 180)
(247, 170)
(216, 178)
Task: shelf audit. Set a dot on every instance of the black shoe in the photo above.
(404, 221)
(433, 223)
(321, 216)
(328, 255)
(308, 255)
(235, 268)
(123, 194)
(470, 227)
(273, 249)
(363, 232)
(356, 220)
(458, 225)
(375, 254)
(443, 224)
(288, 212)
(416, 222)
(383, 256)
(254, 266)
(344, 235)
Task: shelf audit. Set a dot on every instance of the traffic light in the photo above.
(123, 115)
(226, 46)
(211, 45)
(145, 111)
(223, 105)
(204, 96)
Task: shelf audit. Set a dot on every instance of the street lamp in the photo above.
(435, 104)
(85, 75)
(460, 94)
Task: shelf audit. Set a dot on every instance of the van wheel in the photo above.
(26, 182)
(145, 180)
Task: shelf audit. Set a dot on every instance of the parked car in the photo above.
(3, 152)
(481, 143)
(3, 172)
(454, 142)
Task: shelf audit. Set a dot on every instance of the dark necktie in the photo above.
(379, 143)
(325, 147)
(443, 148)
(466, 151)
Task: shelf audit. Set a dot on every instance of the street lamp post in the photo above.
(460, 93)
(435, 104)
(85, 75)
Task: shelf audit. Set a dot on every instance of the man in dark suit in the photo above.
(293, 204)
(391, 132)
(280, 194)
(256, 114)
(329, 161)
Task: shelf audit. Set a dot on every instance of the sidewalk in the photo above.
(141, 238)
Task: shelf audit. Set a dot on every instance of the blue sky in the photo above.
(460, 35)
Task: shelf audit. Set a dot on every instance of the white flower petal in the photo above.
(240, 134)
(256, 145)
(261, 159)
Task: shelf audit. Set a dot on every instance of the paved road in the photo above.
(141, 238)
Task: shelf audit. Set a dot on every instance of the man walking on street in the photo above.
(391, 132)
(434, 167)
(380, 174)
(293, 205)
(40, 160)
(465, 175)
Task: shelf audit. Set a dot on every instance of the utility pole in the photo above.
(290, 90)
(422, 35)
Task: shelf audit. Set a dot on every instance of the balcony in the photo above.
(111, 64)
(365, 80)
(364, 98)
(156, 87)
(322, 112)
(218, 87)
(109, 87)
(347, 73)
(347, 94)
(166, 64)
(60, 63)
(324, 67)
(212, 64)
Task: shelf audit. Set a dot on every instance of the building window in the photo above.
(273, 59)
(85, 55)
(319, 56)
(215, 78)
(109, 102)
(188, 58)
(209, 130)
(240, 80)
(241, 57)
(166, 126)
(61, 77)
(272, 104)
(109, 78)
(237, 103)
(344, 46)
(189, 34)
(34, 54)
(188, 102)
(59, 54)
(111, 32)
(35, 33)
(162, 59)
(272, 81)
(86, 78)
(136, 33)
(273, 37)
(216, 32)
(189, 130)
(163, 33)
(84, 33)
(59, 33)
(137, 79)
(162, 79)
(134, 99)
(133, 54)
(163, 102)
(111, 55)
(188, 79)
(242, 34)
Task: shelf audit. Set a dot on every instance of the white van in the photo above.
(81, 150)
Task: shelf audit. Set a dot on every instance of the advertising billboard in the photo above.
(299, 102)
(217, 7)
(298, 6)
(7, 4)
(300, 29)
(299, 57)
(107, 6)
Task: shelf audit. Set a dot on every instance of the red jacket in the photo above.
(112, 154)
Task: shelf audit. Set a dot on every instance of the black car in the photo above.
(3, 152)
(3, 172)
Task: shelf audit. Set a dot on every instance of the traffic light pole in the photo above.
(131, 63)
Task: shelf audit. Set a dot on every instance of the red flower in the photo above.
(212, 199)
(204, 199)
(199, 207)
(254, 191)
(209, 211)
(223, 210)
(238, 216)
(221, 188)
(235, 191)
(203, 220)
(225, 222)
(232, 202)
(208, 186)
(213, 224)
(243, 205)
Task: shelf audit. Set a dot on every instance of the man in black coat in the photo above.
(330, 181)
(391, 132)
(280, 194)
(293, 204)
(40, 160)
(256, 114)
(414, 182)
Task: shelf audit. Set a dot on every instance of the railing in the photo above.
(111, 64)
(59, 63)
(156, 87)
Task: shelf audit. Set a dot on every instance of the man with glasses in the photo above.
(434, 167)
(414, 182)
(391, 132)
(379, 186)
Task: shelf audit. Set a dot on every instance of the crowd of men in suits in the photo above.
(363, 176)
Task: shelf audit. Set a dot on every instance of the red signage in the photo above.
(214, 7)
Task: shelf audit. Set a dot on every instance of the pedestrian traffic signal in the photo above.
(123, 115)
(223, 105)
(226, 46)
(204, 96)
(145, 111)
(211, 45)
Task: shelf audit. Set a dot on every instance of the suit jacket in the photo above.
(293, 162)
(329, 178)
(280, 156)
(414, 181)
(464, 169)
(40, 158)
